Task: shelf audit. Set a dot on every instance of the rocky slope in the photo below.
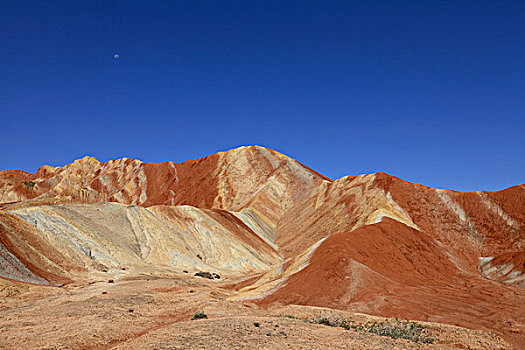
(278, 232)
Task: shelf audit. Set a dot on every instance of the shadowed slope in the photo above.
(25, 255)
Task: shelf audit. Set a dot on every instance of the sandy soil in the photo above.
(154, 312)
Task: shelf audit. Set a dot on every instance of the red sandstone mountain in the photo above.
(370, 243)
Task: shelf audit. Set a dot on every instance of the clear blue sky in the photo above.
(430, 91)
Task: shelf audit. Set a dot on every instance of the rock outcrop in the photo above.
(370, 243)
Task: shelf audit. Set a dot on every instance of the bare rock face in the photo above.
(277, 232)
(233, 180)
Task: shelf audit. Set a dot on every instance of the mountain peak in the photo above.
(230, 179)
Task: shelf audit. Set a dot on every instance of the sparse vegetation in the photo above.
(288, 316)
(206, 274)
(332, 320)
(199, 315)
(29, 183)
(397, 329)
(393, 328)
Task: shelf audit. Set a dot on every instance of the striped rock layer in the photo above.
(369, 243)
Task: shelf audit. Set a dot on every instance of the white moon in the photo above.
(116, 56)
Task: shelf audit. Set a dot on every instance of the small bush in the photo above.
(206, 274)
(288, 316)
(332, 321)
(199, 315)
